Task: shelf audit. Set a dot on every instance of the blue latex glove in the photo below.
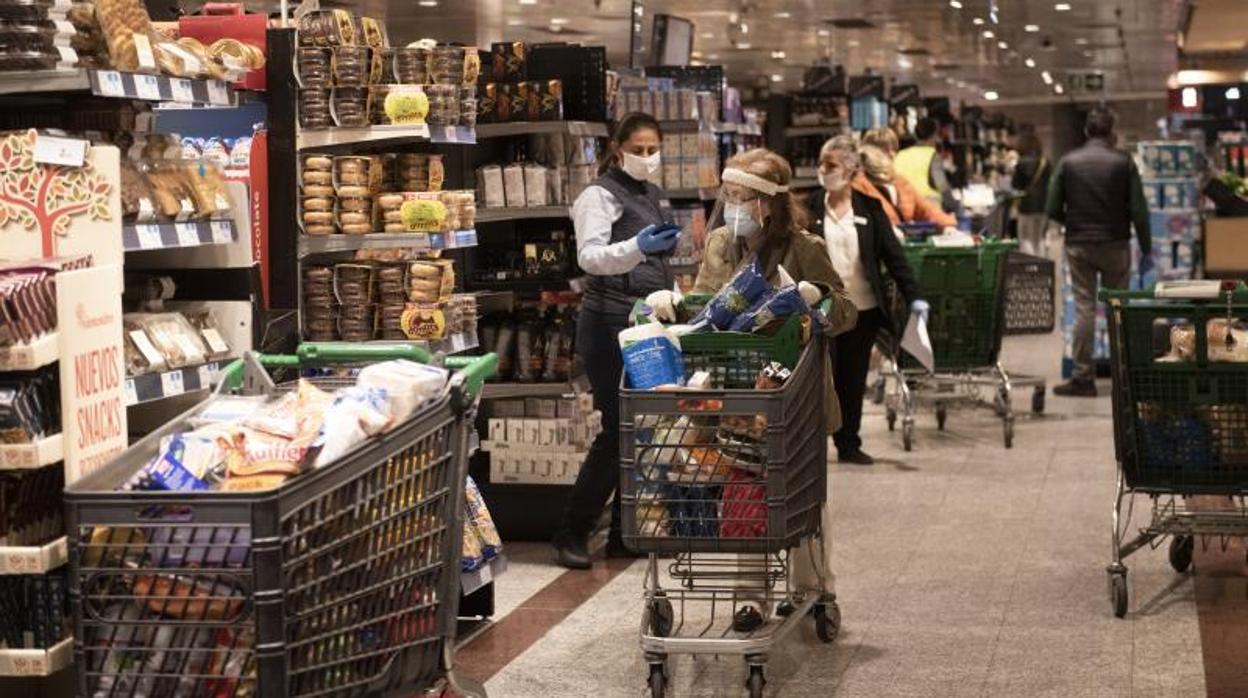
(921, 308)
(658, 238)
(1146, 264)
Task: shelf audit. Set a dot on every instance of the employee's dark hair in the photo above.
(624, 129)
(925, 128)
(1100, 123)
(1028, 143)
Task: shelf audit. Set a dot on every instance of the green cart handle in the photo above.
(1239, 294)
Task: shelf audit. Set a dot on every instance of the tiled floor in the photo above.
(963, 569)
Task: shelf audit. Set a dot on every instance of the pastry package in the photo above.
(172, 191)
(206, 325)
(128, 31)
(431, 281)
(173, 336)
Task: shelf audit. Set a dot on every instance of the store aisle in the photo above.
(963, 570)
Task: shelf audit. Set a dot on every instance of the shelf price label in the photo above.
(147, 87)
(53, 150)
(217, 93)
(111, 84)
(171, 384)
(188, 234)
(149, 236)
(222, 232)
(132, 392)
(182, 90)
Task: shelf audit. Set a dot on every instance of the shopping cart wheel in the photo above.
(942, 413)
(891, 415)
(1181, 549)
(658, 681)
(1037, 400)
(756, 682)
(907, 433)
(1118, 593)
(1001, 402)
(1009, 431)
(662, 616)
(827, 621)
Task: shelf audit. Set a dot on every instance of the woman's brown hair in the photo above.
(787, 219)
(628, 125)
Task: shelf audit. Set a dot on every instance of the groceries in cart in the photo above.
(481, 540)
(250, 443)
(1227, 342)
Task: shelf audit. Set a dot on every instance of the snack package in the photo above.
(477, 515)
(228, 408)
(128, 30)
(693, 510)
(1226, 342)
(772, 306)
(651, 356)
(407, 384)
(250, 452)
(745, 507)
(736, 297)
(355, 414)
(173, 337)
(183, 464)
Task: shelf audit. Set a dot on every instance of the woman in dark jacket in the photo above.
(860, 240)
(1031, 179)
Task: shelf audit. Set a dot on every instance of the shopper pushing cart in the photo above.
(216, 558)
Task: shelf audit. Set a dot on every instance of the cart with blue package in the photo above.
(1179, 362)
(725, 486)
(343, 580)
(964, 287)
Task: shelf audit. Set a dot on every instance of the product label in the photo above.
(52, 150)
(147, 87)
(145, 347)
(171, 384)
(110, 83)
(188, 234)
(143, 47)
(182, 90)
(217, 93)
(149, 236)
(216, 344)
(222, 232)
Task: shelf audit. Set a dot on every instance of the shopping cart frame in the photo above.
(93, 503)
(1171, 514)
(711, 570)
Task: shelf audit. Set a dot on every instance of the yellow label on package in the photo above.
(423, 322)
(423, 216)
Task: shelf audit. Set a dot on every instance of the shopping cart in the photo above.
(727, 486)
(964, 286)
(343, 581)
(1180, 401)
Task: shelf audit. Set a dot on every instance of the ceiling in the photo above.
(931, 42)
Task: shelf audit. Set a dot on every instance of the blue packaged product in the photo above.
(169, 472)
(772, 306)
(741, 292)
(651, 357)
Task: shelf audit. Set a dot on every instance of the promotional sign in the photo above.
(93, 369)
(866, 86)
(54, 210)
(904, 96)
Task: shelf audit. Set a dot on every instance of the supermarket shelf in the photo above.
(803, 131)
(160, 88)
(333, 137)
(137, 237)
(524, 128)
(494, 215)
(68, 80)
(312, 244)
(151, 387)
(37, 662)
(45, 451)
(471, 582)
(28, 357)
(504, 391)
(525, 285)
(34, 559)
(740, 129)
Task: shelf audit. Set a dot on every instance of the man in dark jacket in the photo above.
(1096, 193)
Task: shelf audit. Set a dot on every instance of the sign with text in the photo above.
(866, 86)
(904, 96)
(93, 370)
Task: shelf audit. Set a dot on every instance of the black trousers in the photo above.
(597, 342)
(851, 360)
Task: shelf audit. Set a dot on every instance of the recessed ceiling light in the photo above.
(1232, 93)
(745, 28)
(1029, 63)
(853, 42)
(778, 55)
(1002, 45)
(988, 34)
(708, 35)
(1031, 28)
(528, 2)
(782, 15)
(904, 63)
(991, 96)
(743, 45)
(515, 22)
(1088, 54)
(977, 21)
(428, 3)
(1062, 7)
(695, 54)
(1058, 89)
(777, 78)
(558, 21)
(1046, 77)
(1081, 41)
(712, 56)
(955, 4)
(824, 32)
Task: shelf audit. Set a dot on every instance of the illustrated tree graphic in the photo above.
(47, 197)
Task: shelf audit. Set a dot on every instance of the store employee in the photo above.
(624, 237)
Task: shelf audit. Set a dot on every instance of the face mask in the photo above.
(740, 221)
(640, 168)
(834, 182)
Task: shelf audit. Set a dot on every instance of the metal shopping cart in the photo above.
(343, 581)
(727, 485)
(964, 286)
(1180, 401)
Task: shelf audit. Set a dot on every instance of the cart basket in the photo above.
(1029, 292)
(341, 581)
(1180, 391)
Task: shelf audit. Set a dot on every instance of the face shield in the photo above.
(739, 206)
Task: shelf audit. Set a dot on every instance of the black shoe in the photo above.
(1076, 388)
(785, 608)
(855, 457)
(617, 548)
(747, 619)
(572, 552)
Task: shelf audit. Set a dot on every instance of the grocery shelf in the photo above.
(703, 194)
(34, 559)
(45, 451)
(160, 88)
(740, 129)
(68, 80)
(44, 662)
(504, 391)
(471, 582)
(321, 244)
(802, 131)
(150, 387)
(494, 215)
(167, 236)
(524, 128)
(28, 357)
(523, 285)
(382, 134)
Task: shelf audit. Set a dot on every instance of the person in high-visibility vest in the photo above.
(921, 165)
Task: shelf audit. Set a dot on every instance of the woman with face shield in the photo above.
(757, 218)
(624, 237)
(861, 243)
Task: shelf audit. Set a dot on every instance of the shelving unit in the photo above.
(476, 580)
(525, 128)
(137, 237)
(42, 453)
(424, 242)
(36, 663)
(495, 215)
(122, 85)
(384, 135)
(28, 357)
(34, 559)
(150, 387)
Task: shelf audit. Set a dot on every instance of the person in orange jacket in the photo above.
(897, 195)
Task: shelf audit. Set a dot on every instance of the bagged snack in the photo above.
(745, 507)
(250, 452)
(1227, 343)
(407, 384)
(735, 298)
(478, 516)
(355, 414)
(772, 306)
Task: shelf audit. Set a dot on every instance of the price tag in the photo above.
(17, 358)
(222, 231)
(21, 563)
(450, 134)
(18, 456)
(54, 150)
(171, 384)
(132, 393)
(147, 87)
(205, 376)
(217, 93)
(182, 90)
(188, 234)
(149, 237)
(110, 83)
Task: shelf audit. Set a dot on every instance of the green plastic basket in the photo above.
(963, 285)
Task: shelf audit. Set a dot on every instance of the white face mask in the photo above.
(739, 219)
(835, 181)
(640, 168)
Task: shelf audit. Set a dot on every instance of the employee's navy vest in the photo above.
(643, 206)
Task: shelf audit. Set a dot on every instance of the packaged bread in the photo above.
(137, 199)
(128, 31)
(208, 190)
(171, 192)
(431, 280)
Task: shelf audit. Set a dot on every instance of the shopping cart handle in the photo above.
(475, 370)
(348, 353)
